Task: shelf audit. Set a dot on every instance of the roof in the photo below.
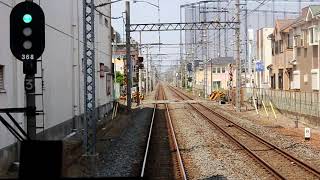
(283, 24)
(315, 9)
(223, 60)
(303, 15)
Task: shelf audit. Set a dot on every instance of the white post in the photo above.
(140, 81)
(147, 73)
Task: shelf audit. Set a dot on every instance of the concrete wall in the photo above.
(62, 68)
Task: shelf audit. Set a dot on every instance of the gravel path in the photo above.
(122, 148)
(299, 148)
(206, 152)
(281, 132)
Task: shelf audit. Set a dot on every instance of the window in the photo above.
(314, 79)
(106, 23)
(214, 70)
(218, 70)
(313, 35)
(216, 84)
(1, 77)
(305, 38)
(310, 33)
(100, 18)
(281, 46)
(272, 47)
(296, 41)
(223, 70)
(280, 79)
(108, 85)
(296, 80)
(298, 51)
(276, 47)
(290, 41)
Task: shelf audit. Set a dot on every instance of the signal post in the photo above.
(27, 43)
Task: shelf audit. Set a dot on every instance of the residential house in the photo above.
(306, 30)
(281, 69)
(218, 74)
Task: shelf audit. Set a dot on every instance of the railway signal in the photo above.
(27, 42)
(27, 31)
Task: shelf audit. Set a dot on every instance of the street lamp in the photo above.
(135, 1)
(157, 6)
(104, 4)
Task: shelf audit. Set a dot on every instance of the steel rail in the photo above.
(305, 166)
(149, 136)
(179, 159)
(249, 152)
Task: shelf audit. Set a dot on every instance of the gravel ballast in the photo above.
(205, 151)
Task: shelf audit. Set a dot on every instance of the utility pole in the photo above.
(246, 41)
(219, 31)
(159, 30)
(250, 31)
(225, 36)
(206, 58)
(183, 64)
(194, 39)
(238, 62)
(150, 74)
(90, 115)
(139, 72)
(89, 76)
(273, 15)
(128, 48)
(207, 61)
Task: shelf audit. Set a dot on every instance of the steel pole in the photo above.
(139, 73)
(183, 74)
(238, 62)
(225, 37)
(246, 41)
(128, 48)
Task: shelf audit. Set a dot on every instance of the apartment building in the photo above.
(306, 31)
(264, 57)
(281, 69)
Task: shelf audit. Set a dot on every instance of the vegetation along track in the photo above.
(162, 158)
(279, 163)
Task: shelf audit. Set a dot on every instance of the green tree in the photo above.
(119, 78)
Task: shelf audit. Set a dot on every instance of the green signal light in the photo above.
(27, 18)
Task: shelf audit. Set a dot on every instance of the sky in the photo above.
(142, 12)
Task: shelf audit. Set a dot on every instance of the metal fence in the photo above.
(305, 103)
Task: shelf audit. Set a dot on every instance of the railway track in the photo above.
(166, 161)
(280, 164)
